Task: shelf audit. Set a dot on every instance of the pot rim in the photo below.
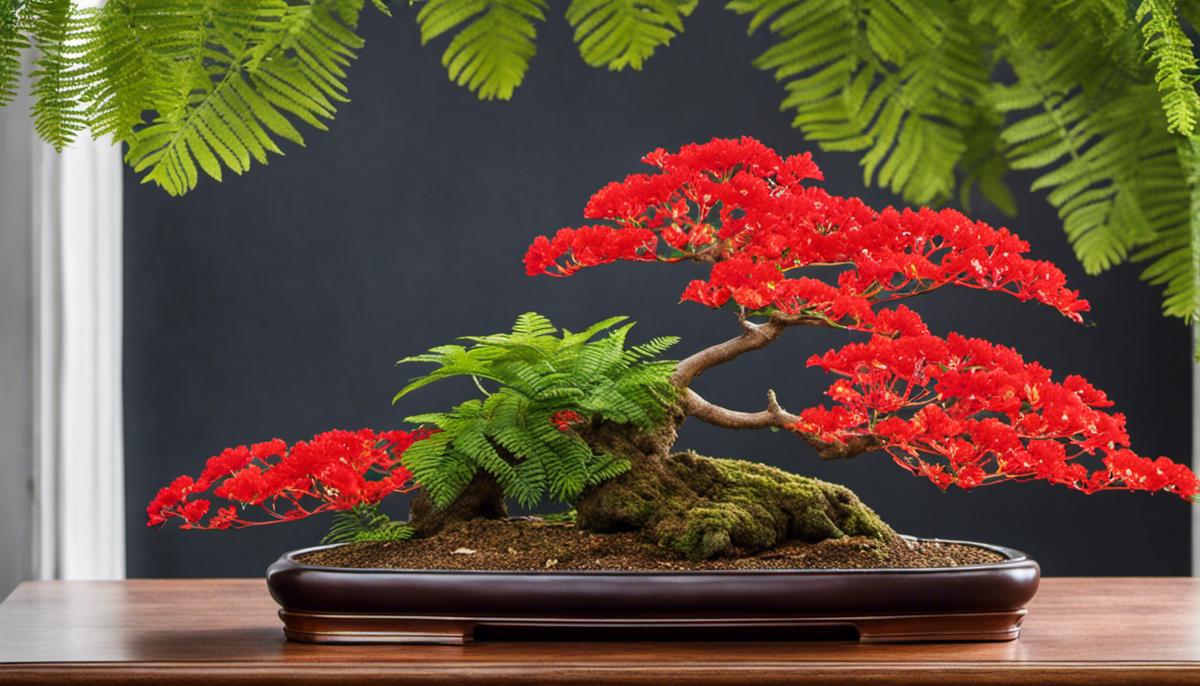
(1014, 558)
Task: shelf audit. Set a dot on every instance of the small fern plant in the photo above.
(536, 385)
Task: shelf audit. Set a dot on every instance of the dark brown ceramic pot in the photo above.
(340, 605)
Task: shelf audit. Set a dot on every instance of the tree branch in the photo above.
(774, 417)
(753, 337)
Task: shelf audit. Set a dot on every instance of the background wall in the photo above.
(275, 304)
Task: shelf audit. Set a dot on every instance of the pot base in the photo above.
(312, 627)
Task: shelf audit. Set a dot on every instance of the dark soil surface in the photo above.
(532, 544)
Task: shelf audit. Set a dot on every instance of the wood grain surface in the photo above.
(1079, 631)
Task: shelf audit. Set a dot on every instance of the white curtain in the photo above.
(61, 462)
(78, 444)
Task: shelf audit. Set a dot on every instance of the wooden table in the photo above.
(1079, 631)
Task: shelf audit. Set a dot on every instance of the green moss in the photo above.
(702, 507)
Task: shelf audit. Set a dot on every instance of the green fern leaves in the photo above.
(1174, 251)
(193, 86)
(939, 98)
(260, 63)
(624, 33)
(493, 43)
(365, 523)
(544, 384)
(899, 82)
(1176, 72)
(1174, 255)
(56, 113)
(12, 40)
(494, 40)
(1103, 91)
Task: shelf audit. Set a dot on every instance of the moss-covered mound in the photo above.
(702, 507)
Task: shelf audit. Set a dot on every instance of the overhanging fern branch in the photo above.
(12, 40)
(1175, 256)
(57, 114)
(493, 41)
(898, 80)
(249, 66)
(129, 48)
(1114, 171)
(916, 86)
(1172, 53)
(909, 84)
(625, 33)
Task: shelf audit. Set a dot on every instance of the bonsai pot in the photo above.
(984, 602)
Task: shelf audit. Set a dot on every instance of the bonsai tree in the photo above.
(587, 421)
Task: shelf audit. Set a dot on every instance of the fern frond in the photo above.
(592, 331)
(608, 467)
(652, 348)
(1095, 145)
(1174, 255)
(12, 40)
(493, 43)
(1174, 58)
(250, 66)
(567, 473)
(533, 325)
(365, 523)
(127, 50)
(57, 113)
(625, 33)
(441, 471)
(896, 80)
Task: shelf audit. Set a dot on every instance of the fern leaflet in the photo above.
(1172, 52)
(365, 523)
(625, 33)
(493, 43)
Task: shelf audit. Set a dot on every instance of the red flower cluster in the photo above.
(967, 412)
(563, 420)
(329, 472)
(739, 206)
(958, 411)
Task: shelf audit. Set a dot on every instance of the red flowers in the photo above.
(564, 419)
(326, 473)
(589, 246)
(958, 411)
(739, 206)
(966, 412)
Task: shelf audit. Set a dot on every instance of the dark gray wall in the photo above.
(275, 304)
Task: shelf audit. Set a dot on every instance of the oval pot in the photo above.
(343, 605)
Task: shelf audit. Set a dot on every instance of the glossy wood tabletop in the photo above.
(1079, 631)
